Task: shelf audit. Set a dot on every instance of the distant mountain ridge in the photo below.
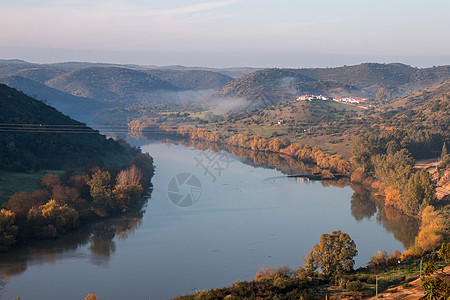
(362, 80)
(114, 83)
(130, 85)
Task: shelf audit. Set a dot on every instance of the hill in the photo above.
(362, 80)
(428, 107)
(331, 126)
(112, 84)
(35, 136)
(192, 79)
(78, 108)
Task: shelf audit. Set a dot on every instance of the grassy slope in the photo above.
(315, 123)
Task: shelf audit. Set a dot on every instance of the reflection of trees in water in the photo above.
(284, 163)
(99, 237)
(102, 239)
(362, 204)
(365, 205)
(405, 228)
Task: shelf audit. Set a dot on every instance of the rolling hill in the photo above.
(35, 136)
(428, 107)
(112, 84)
(362, 80)
(192, 79)
(78, 108)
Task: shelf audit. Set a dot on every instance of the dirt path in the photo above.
(427, 164)
(413, 291)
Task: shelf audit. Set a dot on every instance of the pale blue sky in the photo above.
(293, 33)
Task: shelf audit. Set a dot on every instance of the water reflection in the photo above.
(99, 239)
(363, 204)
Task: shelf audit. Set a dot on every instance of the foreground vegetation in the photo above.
(35, 137)
(340, 281)
(62, 204)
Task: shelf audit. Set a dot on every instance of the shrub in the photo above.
(371, 280)
(204, 295)
(379, 260)
(354, 286)
(265, 272)
(280, 282)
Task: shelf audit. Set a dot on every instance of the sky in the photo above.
(227, 33)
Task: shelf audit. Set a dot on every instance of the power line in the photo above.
(63, 128)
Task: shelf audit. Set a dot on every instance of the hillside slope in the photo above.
(192, 79)
(429, 107)
(78, 108)
(112, 84)
(362, 80)
(35, 136)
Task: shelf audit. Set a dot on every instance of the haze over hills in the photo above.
(65, 85)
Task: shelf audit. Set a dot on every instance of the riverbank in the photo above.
(60, 204)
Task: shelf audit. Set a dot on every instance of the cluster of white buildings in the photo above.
(312, 97)
(352, 100)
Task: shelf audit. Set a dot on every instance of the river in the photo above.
(212, 218)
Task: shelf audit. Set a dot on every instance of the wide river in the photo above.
(216, 223)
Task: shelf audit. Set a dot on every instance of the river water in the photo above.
(212, 219)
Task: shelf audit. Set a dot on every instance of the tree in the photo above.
(49, 181)
(444, 151)
(381, 96)
(8, 231)
(91, 296)
(51, 219)
(101, 189)
(130, 176)
(436, 287)
(334, 254)
(419, 192)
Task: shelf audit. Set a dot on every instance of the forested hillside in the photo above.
(35, 136)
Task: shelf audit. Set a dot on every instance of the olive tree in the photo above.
(333, 255)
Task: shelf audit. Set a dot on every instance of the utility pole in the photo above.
(376, 286)
(420, 268)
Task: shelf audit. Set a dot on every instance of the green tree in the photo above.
(419, 192)
(444, 151)
(101, 189)
(334, 254)
(381, 96)
(436, 287)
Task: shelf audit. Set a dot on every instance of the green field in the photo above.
(12, 182)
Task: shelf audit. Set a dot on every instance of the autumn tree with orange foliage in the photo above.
(8, 230)
(432, 230)
(91, 296)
